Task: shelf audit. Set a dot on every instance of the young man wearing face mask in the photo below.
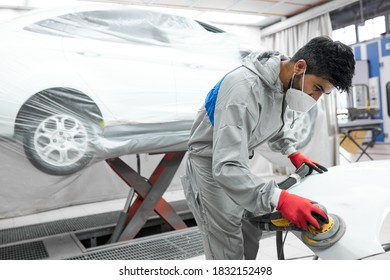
(244, 110)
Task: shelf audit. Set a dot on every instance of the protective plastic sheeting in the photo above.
(82, 84)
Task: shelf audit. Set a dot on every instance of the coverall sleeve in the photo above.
(283, 142)
(232, 130)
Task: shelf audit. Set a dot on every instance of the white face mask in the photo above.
(297, 100)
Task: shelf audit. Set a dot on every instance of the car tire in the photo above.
(59, 144)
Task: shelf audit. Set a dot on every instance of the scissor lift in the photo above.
(149, 199)
(116, 235)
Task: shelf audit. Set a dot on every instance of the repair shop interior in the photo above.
(128, 129)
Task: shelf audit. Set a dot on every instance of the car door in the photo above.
(124, 62)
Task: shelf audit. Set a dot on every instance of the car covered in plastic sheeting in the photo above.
(91, 82)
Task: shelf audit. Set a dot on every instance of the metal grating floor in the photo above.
(62, 240)
(57, 227)
(27, 251)
(179, 245)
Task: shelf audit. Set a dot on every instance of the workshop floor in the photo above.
(293, 249)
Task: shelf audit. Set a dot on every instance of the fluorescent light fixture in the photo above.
(230, 18)
(178, 12)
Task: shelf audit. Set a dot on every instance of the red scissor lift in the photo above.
(149, 196)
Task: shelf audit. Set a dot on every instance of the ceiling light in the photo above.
(230, 18)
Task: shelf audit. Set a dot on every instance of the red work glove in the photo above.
(298, 159)
(300, 210)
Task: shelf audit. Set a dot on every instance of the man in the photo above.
(244, 110)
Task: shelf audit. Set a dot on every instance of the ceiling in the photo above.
(358, 12)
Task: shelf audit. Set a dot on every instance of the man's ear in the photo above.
(300, 66)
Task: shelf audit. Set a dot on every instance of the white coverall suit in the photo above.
(244, 110)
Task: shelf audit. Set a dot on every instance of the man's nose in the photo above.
(316, 96)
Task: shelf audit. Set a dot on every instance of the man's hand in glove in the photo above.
(300, 210)
(298, 159)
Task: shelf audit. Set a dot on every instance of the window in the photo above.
(372, 28)
(347, 35)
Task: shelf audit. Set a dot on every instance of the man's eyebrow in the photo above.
(322, 89)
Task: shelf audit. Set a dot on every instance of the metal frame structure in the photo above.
(361, 125)
(149, 199)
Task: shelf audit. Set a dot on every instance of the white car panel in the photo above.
(141, 77)
(359, 193)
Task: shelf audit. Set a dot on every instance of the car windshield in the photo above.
(121, 26)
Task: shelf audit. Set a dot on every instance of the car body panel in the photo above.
(131, 77)
(359, 193)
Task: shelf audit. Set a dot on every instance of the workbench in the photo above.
(347, 127)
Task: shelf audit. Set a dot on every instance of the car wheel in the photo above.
(59, 144)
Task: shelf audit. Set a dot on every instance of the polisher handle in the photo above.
(274, 221)
(295, 178)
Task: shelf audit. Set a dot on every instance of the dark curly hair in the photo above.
(330, 60)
